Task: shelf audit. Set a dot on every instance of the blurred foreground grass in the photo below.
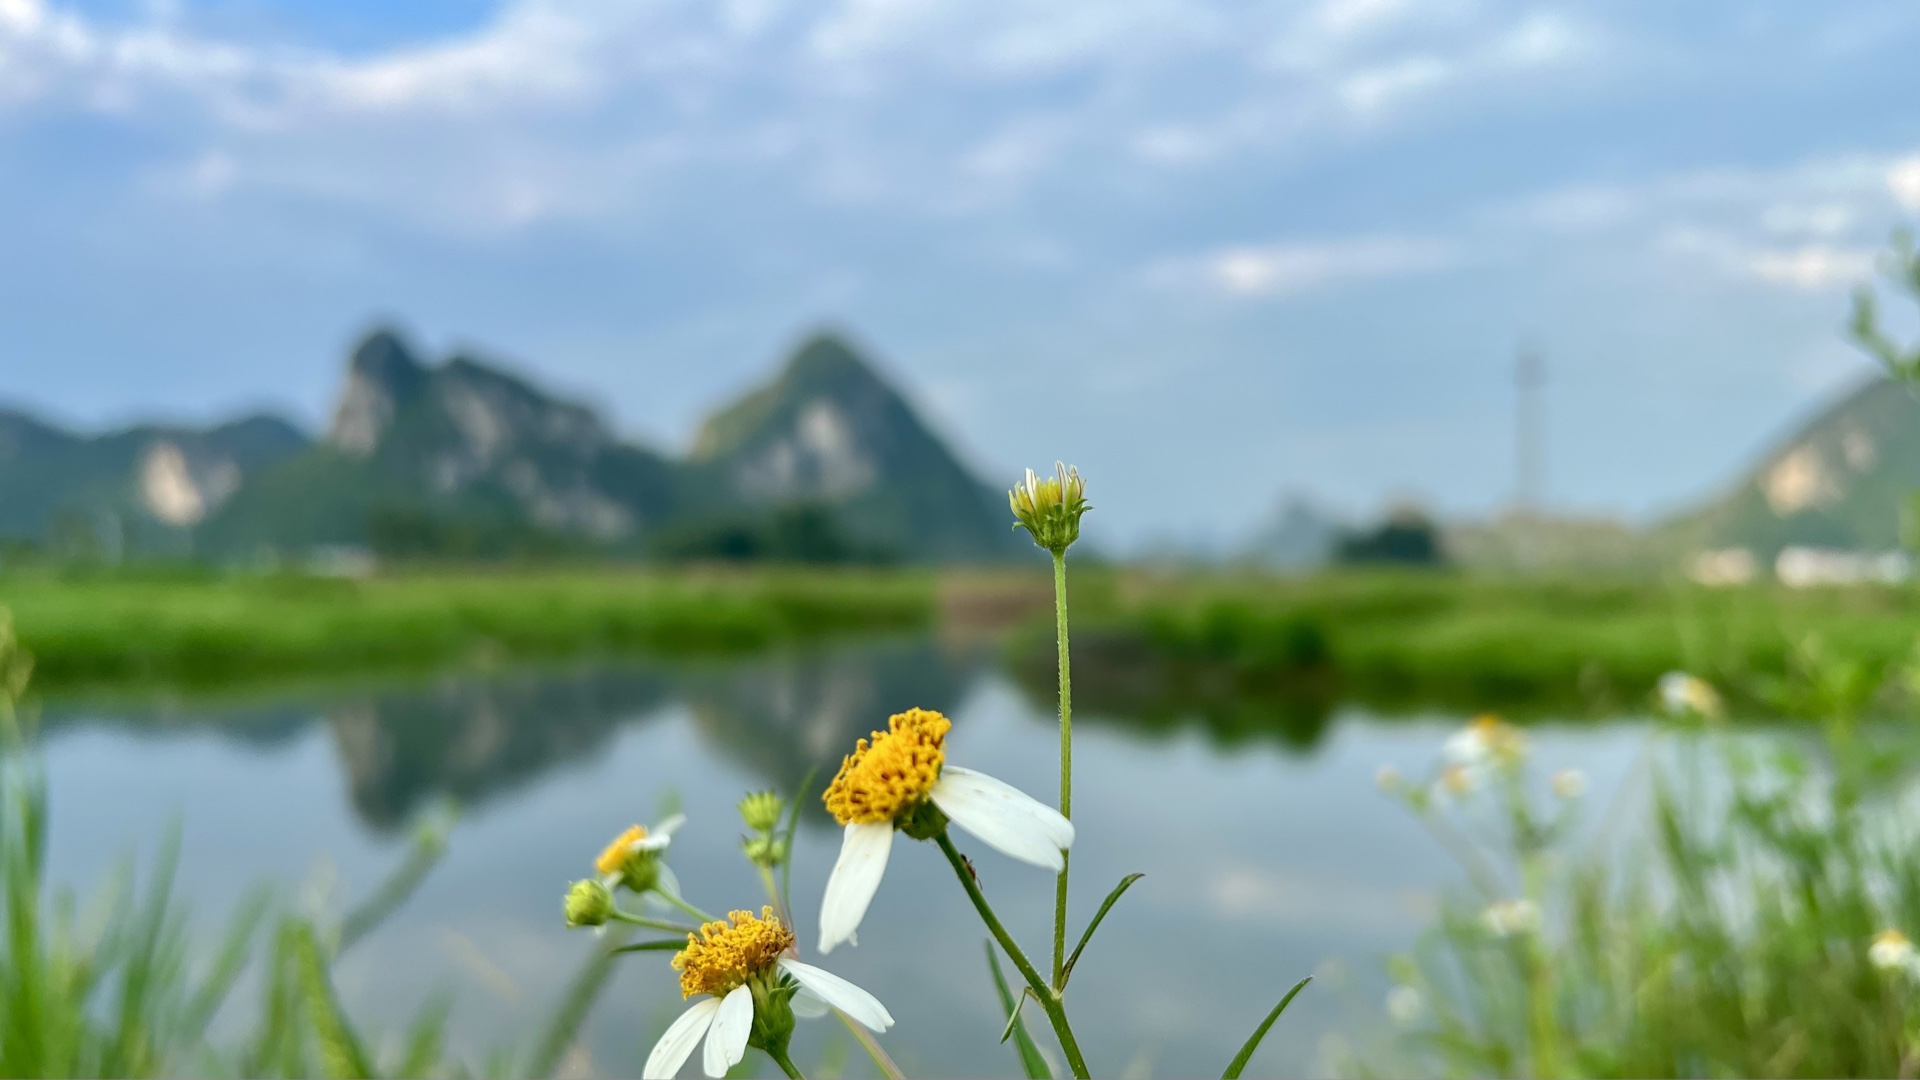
(203, 628)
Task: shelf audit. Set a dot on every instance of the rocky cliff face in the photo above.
(137, 489)
(829, 429)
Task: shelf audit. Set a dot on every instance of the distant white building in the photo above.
(1803, 567)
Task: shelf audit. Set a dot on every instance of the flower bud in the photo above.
(1050, 509)
(761, 810)
(767, 851)
(589, 903)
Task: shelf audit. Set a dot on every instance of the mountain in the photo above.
(141, 488)
(1843, 480)
(418, 454)
(829, 431)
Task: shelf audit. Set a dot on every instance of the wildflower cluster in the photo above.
(744, 974)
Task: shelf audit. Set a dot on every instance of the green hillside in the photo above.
(1842, 480)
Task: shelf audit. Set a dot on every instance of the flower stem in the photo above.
(1066, 764)
(781, 1059)
(684, 906)
(1049, 1001)
(651, 924)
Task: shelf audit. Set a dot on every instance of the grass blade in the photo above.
(1066, 972)
(573, 1011)
(428, 845)
(1246, 1052)
(792, 826)
(1030, 1059)
(340, 1048)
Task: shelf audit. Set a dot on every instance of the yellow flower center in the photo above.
(615, 855)
(892, 774)
(724, 956)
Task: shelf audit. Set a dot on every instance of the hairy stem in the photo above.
(1066, 765)
(684, 906)
(1049, 1001)
(651, 924)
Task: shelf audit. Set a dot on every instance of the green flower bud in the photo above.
(1050, 509)
(767, 851)
(589, 903)
(761, 810)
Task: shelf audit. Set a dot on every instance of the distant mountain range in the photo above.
(462, 457)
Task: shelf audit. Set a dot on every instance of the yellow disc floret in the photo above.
(722, 956)
(892, 774)
(615, 855)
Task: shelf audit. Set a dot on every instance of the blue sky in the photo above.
(1209, 252)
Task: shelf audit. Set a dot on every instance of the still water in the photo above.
(1266, 859)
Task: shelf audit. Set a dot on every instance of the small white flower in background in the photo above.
(1459, 780)
(1509, 917)
(1893, 953)
(1488, 740)
(900, 780)
(1406, 1005)
(1388, 778)
(1682, 694)
(633, 858)
(1569, 783)
(743, 966)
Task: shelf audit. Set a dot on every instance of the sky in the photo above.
(1209, 252)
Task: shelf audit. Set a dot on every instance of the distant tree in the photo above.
(1407, 537)
(801, 532)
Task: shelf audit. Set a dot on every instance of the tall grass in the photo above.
(1726, 932)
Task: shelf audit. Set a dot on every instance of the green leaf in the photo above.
(1066, 972)
(340, 1048)
(1246, 1052)
(1030, 1059)
(793, 825)
(654, 946)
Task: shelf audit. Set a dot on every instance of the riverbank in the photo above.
(198, 630)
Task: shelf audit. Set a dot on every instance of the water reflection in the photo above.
(1269, 854)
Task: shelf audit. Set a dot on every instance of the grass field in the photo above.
(191, 629)
(1145, 642)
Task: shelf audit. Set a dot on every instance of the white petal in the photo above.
(855, 878)
(682, 1036)
(666, 883)
(840, 994)
(1008, 819)
(667, 827)
(727, 1041)
(808, 1006)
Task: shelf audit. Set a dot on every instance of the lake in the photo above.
(1266, 859)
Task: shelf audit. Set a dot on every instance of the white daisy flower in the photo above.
(891, 782)
(1510, 917)
(1682, 694)
(633, 858)
(1891, 952)
(742, 966)
(1569, 783)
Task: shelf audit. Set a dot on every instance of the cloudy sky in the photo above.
(1208, 251)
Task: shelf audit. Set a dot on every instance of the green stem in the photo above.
(684, 906)
(872, 1045)
(781, 1059)
(1049, 1001)
(651, 924)
(1066, 765)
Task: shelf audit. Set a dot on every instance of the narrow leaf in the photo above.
(793, 826)
(1246, 1052)
(1030, 1059)
(340, 1048)
(1066, 972)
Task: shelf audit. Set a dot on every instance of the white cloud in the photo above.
(1903, 177)
(1285, 268)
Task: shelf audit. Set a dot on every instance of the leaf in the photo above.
(1066, 972)
(793, 825)
(1030, 1059)
(1246, 1052)
(671, 945)
(340, 1048)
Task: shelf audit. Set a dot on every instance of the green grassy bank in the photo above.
(206, 629)
(1145, 644)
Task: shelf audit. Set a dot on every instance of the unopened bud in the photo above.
(1050, 509)
(589, 903)
(761, 810)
